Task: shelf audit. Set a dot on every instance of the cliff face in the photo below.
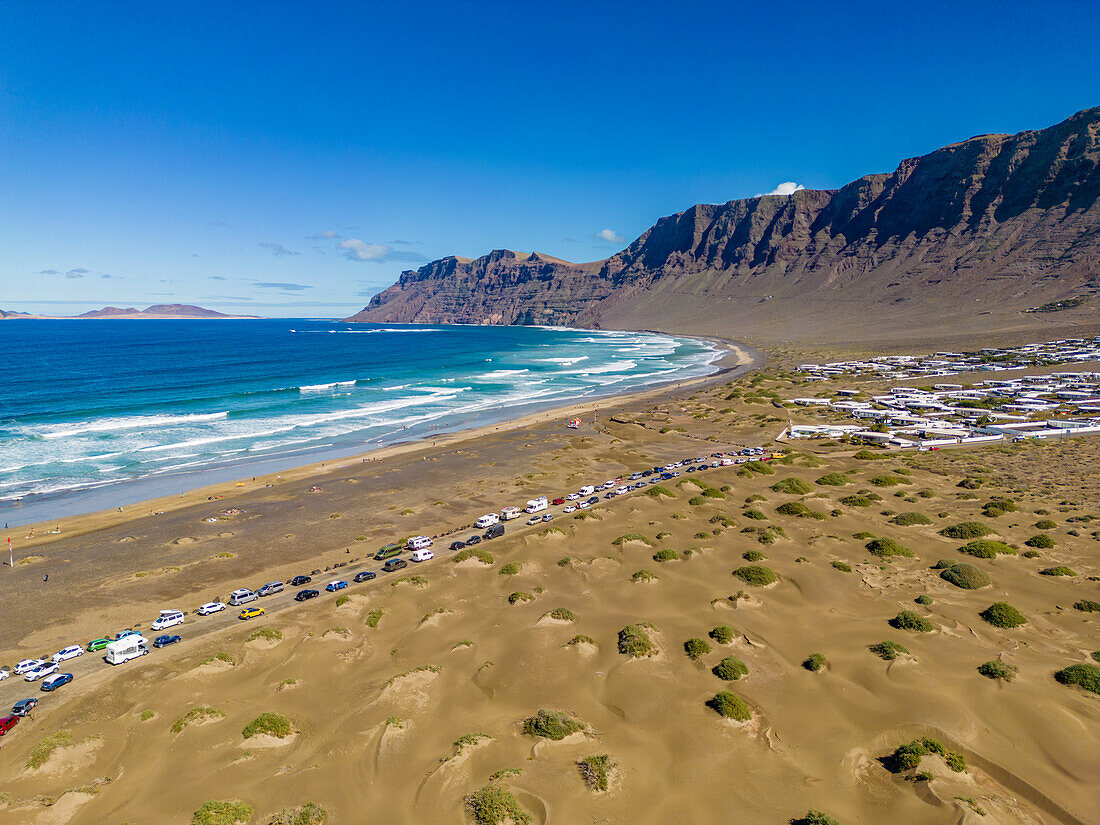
(972, 234)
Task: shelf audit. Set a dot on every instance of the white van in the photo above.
(419, 543)
(422, 555)
(270, 589)
(488, 520)
(537, 505)
(167, 618)
(125, 649)
(587, 490)
(242, 596)
(509, 513)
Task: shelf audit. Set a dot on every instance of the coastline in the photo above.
(736, 359)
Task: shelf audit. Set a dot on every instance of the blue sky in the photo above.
(293, 158)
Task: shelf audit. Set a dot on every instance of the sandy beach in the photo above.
(411, 693)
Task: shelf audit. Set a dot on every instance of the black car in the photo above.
(305, 595)
(298, 581)
(365, 576)
(494, 532)
(647, 473)
(164, 641)
(24, 706)
(594, 500)
(458, 545)
(474, 539)
(394, 564)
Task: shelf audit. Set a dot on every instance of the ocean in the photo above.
(97, 414)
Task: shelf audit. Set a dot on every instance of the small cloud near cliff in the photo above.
(606, 236)
(356, 250)
(786, 188)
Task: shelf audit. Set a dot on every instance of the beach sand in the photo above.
(379, 706)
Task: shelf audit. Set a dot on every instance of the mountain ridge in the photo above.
(970, 235)
(154, 312)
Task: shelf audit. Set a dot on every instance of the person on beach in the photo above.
(46, 578)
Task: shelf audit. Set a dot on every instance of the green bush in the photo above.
(909, 519)
(870, 455)
(834, 480)
(841, 566)
(581, 639)
(730, 705)
(908, 757)
(267, 633)
(1085, 675)
(998, 507)
(856, 501)
(643, 576)
(966, 530)
(888, 650)
(221, 812)
(997, 670)
(307, 814)
(943, 564)
(756, 574)
(41, 752)
(634, 641)
(815, 662)
(657, 491)
(1041, 541)
(562, 614)
(1045, 524)
(812, 817)
(595, 771)
(887, 548)
(793, 508)
(755, 515)
(638, 537)
(483, 556)
(268, 724)
(730, 668)
(722, 634)
(965, 576)
(519, 596)
(1002, 614)
(711, 492)
(1061, 570)
(887, 481)
(375, 616)
(923, 599)
(665, 555)
(750, 467)
(1087, 606)
(493, 805)
(986, 549)
(694, 648)
(342, 599)
(195, 716)
(552, 724)
(912, 621)
(792, 486)
(753, 555)
(970, 483)
(510, 569)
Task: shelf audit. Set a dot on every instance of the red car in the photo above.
(559, 501)
(7, 723)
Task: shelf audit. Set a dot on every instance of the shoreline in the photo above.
(735, 359)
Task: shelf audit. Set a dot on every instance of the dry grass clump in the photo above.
(552, 724)
(308, 814)
(638, 537)
(493, 805)
(222, 812)
(196, 715)
(595, 771)
(483, 556)
(41, 752)
(269, 634)
(841, 566)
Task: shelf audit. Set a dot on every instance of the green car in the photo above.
(97, 644)
(387, 552)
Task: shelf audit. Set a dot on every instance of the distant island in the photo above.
(155, 312)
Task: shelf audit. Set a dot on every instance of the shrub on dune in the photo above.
(1041, 541)
(634, 641)
(1061, 570)
(997, 670)
(756, 574)
(493, 805)
(552, 724)
(815, 662)
(1086, 676)
(966, 530)
(1004, 615)
(730, 669)
(694, 648)
(222, 812)
(888, 650)
(911, 620)
(813, 817)
(792, 486)
(722, 634)
(965, 576)
(887, 548)
(909, 519)
(834, 480)
(730, 706)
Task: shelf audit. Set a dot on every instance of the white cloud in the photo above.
(608, 236)
(327, 235)
(356, 250)
(786, 188)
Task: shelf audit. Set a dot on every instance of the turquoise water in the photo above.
(99, 413)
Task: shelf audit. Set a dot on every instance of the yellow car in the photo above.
(251, 613)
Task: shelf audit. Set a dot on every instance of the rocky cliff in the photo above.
(965, 239)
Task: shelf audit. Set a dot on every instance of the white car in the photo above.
(584, 505)
(573, 496)
(569, 508)
(28, 665)
(167, 619)
(42, 670)
(211, 607)
(4, 674)
(534, 520)
(70, 652)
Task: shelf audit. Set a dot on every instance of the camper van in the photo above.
(167, 618)
(125, 649)
(587, 490)
(509, 513)
(488, 520)
(419, 543)
(537, 505)
(422, 555)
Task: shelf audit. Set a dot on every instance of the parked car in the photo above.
(574, 496)
(593, 500)
(270, 589)
(298, 581)
(584, 505)
(306, 595)
(364, 576)
(387, 551)
(97, 644)
(422, 555)
(211, 607)
(122, 634)
(167, 619)
(569, 508)
(27, 665)
(494, 532)
(394, 564)
(42, 670)
(457, 545)
(24, 706)
(333, 586)
(70, 652)
(56, 681)
(548, 517)
(7, 723)
(558, 501)
(476, 539)
(251, 613)
(164, 641)
(242, 596)
(534, 520)
(4, 673)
